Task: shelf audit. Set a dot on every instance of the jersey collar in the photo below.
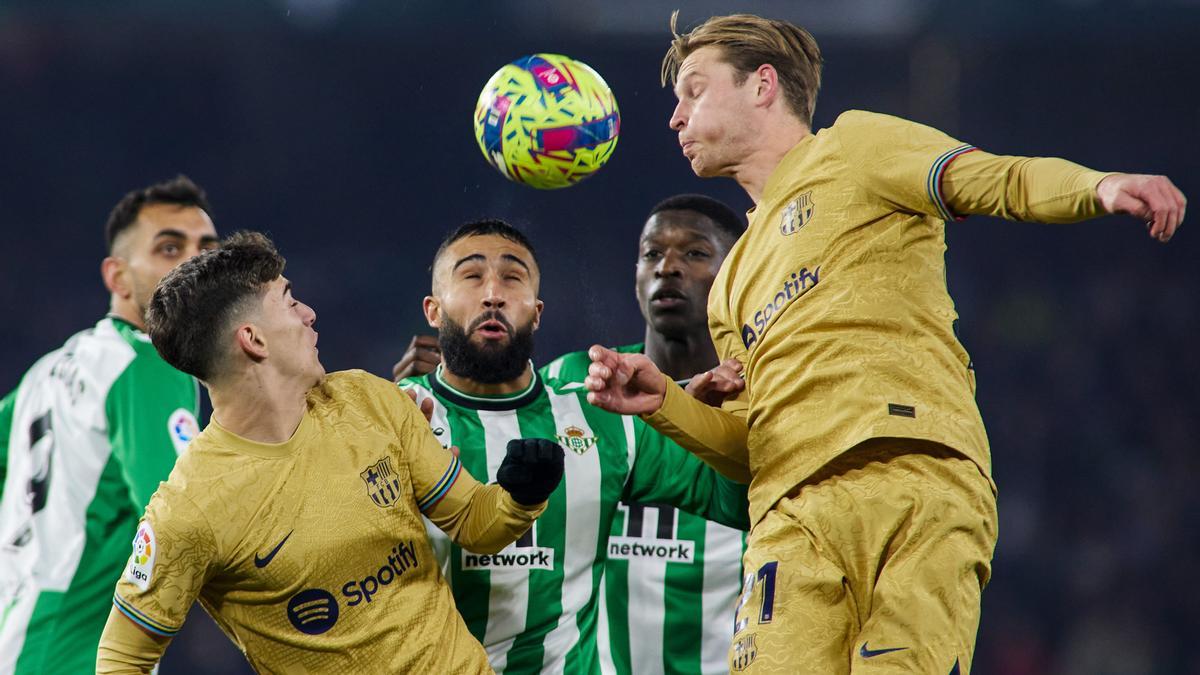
(513, 401)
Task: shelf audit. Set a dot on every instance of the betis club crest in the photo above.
(576, 440)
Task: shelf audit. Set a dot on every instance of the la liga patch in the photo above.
(141, 563)
(182, 427)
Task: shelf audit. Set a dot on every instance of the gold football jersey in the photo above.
(311, 554)
(835, 298)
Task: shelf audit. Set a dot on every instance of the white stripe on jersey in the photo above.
(603, 637)
(649, 603)
(508, 594)
(554, 369)
(581, 478)
(721, 583)
(438, 540)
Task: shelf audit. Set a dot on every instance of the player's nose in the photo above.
(678, 119)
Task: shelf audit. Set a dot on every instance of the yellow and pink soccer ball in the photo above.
(547, 121)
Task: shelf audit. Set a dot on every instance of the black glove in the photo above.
(531, 469)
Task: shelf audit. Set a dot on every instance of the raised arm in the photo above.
(1051, 190)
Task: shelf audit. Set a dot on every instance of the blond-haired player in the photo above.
(295, 517)
(872, 504)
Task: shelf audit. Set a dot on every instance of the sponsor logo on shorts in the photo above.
(629, 548)
(140, 568)
(793, 287)
(797, 214)
(744, 652)
(182, 427)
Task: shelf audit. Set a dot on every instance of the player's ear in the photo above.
(433, 311)
(115, 272)
(251, 341)
(767, 88)
(537, 313)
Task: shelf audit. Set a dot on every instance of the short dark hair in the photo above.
(726, 219)
(180, 191)
(484, 227)
(194, 302)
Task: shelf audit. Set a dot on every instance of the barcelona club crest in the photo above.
(797, 214)
(383, 487)
(744, 652)
(576, 440)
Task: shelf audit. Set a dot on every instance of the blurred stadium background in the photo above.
(342, 127)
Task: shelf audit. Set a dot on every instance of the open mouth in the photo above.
(668, 298)
(492, 329)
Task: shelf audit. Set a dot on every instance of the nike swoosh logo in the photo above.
(266, 560)
(872, 653)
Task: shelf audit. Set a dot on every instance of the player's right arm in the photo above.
(630, 384)
(174, 555)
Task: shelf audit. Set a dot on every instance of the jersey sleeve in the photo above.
(174, 554)
(480, 518)
(150, 416)
(718, 436)
(898, 161)
(6, 417)
(919, 169)
(664, 473)
(1038, 189)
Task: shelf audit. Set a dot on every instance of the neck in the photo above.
(681, 357)
(260, 405)
(754, 172)
(127, 310)
(469, 386)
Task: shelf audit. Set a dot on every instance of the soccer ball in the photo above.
(547, 121)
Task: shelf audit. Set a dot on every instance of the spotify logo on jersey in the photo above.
(313, 611)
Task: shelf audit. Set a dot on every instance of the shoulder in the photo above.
(418, 382)
(573, 366)
(854, 120)
(353, 384)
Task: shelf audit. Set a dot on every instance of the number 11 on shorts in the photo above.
(765, 577)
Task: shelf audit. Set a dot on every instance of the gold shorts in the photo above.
(874, 566)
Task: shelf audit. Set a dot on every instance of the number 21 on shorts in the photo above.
(765, 580)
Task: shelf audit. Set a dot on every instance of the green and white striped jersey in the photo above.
(663, 614)
(535, 605)
(85, 439)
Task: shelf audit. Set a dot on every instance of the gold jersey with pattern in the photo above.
(311, 554)
(835, 298)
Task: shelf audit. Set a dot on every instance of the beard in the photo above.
(489, 364)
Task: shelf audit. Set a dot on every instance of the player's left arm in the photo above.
(480, 518)
(1051, 190)
(920, 169)
(665, 473)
